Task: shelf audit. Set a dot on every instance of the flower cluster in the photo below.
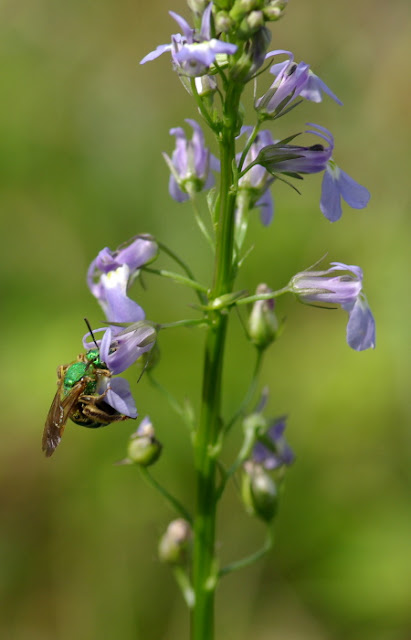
(200, 56)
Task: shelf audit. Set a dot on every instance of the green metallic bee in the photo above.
(77, 399)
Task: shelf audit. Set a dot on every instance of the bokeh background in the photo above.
(82, 128)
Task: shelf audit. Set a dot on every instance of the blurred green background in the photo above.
(82, 127)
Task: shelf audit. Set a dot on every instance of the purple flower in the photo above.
(120, 348)
(337, 184)
(112, 272)
(292, 80)
(345, 290)
(193, 52)
(272, 450)
(190, 163)
(281, 157)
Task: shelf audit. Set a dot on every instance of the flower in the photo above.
(282, 157)
(337, 184)
(272, 450)
(112, 272)
(344, 289)
(292, 80)
(120, 348)
(190, 163)
(193, 52)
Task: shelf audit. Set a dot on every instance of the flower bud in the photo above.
(241, 8)
(275, 9)
(255, 20)
(174, 544)
(144, 449)
(223, 22)
(198, 6)
(259, 492)
(263, 323)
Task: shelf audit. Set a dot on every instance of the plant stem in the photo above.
(207, 436)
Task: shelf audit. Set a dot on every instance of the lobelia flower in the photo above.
(112, 272)
(193, 52)
(343, 289)
(337, 184)
(119, 348)
(281, 157)
(272, 450)
(190, 163)
(292, 80)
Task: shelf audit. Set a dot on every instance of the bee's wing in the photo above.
(58, 415)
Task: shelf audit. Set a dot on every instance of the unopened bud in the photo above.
(275, 10)
(255, 20)
(259, 492)
(174, 544)
(205, 85)
(263, 323)
(144, 448)
(241, 8)
(198, 6)
(223, 22)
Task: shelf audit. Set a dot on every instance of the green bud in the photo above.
(222, 4)
(259, 492)
(143, 449)
(241, 8)
(263, 323)
(255, 20)
(174, 544)
(223, 22)
(198, 6)
(275, 10)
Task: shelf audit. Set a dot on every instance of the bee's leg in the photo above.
(61, 372)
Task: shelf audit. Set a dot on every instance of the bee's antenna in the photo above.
(91, 332)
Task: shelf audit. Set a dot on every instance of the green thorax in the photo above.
(76, 372)
(93, 356)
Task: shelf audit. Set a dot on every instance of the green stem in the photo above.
(245, 562)
(176, 504)
(207, 435)
(176, 277)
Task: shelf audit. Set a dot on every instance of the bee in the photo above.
(77, 399)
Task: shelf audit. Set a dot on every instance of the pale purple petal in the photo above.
(330, 203)
(361, 326)
(117, 305)
(184, 26)
(205, 30)
(315, 87)
(136, 254)
(120, 397)
(266, 204)
(354, 194)
(156, 53)
(175, 192)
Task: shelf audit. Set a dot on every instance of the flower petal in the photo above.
(156, 53)
(330, 203)
(120, 397)
(361, 326)
(354, 194)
